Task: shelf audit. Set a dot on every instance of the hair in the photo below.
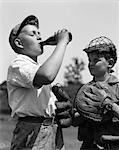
(110, 53)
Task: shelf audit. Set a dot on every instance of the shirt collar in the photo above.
(111, 80)
(26, 58)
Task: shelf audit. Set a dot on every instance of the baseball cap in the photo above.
(100, 44)
(31, 19)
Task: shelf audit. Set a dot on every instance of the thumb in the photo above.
(99, 92)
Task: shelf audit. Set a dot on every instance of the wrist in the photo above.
(63, 42)
(107, 103)
(109, 106)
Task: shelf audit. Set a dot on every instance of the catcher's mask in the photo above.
(102, 44)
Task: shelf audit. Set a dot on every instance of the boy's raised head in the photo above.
(29, 20)
(102, 45)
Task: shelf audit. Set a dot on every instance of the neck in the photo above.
(34, 58)
(103, 78)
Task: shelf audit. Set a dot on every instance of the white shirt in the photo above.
(24, 98)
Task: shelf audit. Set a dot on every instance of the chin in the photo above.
(41, 52)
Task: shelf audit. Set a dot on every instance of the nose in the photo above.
(39, 38)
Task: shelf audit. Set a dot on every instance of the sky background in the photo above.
(85, 19)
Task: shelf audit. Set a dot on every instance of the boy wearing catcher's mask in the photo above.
(97, 101)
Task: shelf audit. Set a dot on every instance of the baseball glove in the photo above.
(90, 101)
(64, 106)
(60, 94)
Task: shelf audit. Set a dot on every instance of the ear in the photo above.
(18, 43)
(111, 62)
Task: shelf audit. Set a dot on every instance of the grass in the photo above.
(7, 127)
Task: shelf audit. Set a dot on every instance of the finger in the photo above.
(58, 32)
(98, 92)
(91, 96)
(55, 33)
(62, 110)
(60, 94)
(94, 90)
(64, 123)
(64, 30)
(63, 105)
(107, 101)
(85, 101)
(64, 114)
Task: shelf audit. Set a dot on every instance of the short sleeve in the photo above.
(27, 73)
(22, 72)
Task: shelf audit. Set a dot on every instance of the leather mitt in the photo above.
(64, 106)
(90, 98)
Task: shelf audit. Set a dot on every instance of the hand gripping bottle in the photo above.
(53, 41)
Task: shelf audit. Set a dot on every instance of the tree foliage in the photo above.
(73, 71)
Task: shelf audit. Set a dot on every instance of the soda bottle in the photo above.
(53, 41)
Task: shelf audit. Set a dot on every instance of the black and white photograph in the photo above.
(59, 75)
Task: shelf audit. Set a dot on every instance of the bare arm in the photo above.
(115, 109)
(48, 71)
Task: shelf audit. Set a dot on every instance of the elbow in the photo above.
(44, 77)
(50, 78)
(40, 79)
